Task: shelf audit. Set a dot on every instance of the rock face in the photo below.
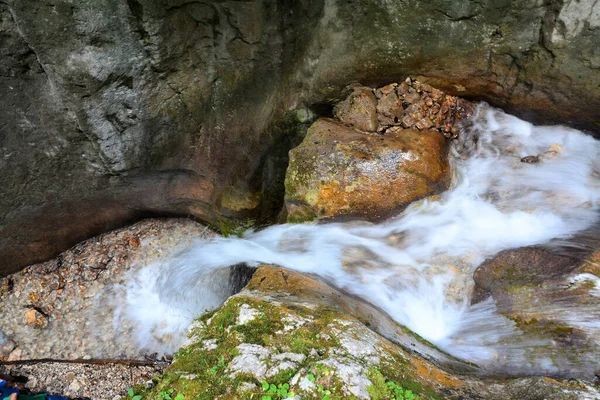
(340, 171)
(304, 341)
(115, 110)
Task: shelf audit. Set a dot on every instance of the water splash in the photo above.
(418, 266)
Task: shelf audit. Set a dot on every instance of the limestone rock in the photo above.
(359, 109)
(332, 353)
(339, 171)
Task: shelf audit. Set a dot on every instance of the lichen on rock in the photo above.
(329, 353)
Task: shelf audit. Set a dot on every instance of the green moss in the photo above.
(383, 389)
(300, 215)
(233, 227)
(198, 373)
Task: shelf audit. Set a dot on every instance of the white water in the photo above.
(417, 267)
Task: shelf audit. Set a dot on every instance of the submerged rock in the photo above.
(527, 265)
(548, 296)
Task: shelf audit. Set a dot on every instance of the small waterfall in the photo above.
(418, 267)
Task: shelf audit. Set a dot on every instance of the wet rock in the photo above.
(530, 159)
(331, 353)
(70, 286)
(527, 265)
(417, 105)
(339, 171)
(359, 109)
(547, 296)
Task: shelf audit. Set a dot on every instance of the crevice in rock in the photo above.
(548, 24)
(240, 275)
(137, 11)
(456, 19)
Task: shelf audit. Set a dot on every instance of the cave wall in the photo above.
(111, 110)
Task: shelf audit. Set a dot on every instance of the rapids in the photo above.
(417, 266)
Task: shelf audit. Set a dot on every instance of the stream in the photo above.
(418, 266)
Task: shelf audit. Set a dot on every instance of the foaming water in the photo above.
(418, 266)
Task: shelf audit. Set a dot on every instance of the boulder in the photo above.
(527, 265)
(359, 109)
(73, 296)
(547, 295)
(306, 340)
(339, 171)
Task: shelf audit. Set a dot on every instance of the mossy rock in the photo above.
(283, 336)
(339, 171)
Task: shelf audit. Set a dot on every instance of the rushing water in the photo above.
(418, 266)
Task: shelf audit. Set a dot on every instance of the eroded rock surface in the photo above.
(63, 308)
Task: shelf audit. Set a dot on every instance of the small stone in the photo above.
(556, 148)
(387, 89)
(403, 88)
(34, 297)
(424, 123)
(359, 109)
(530, 159)
(16, 355)
(6, 348)
(412, 98)
(133, 242)
(36, 319)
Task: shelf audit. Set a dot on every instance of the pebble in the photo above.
(530, 159)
